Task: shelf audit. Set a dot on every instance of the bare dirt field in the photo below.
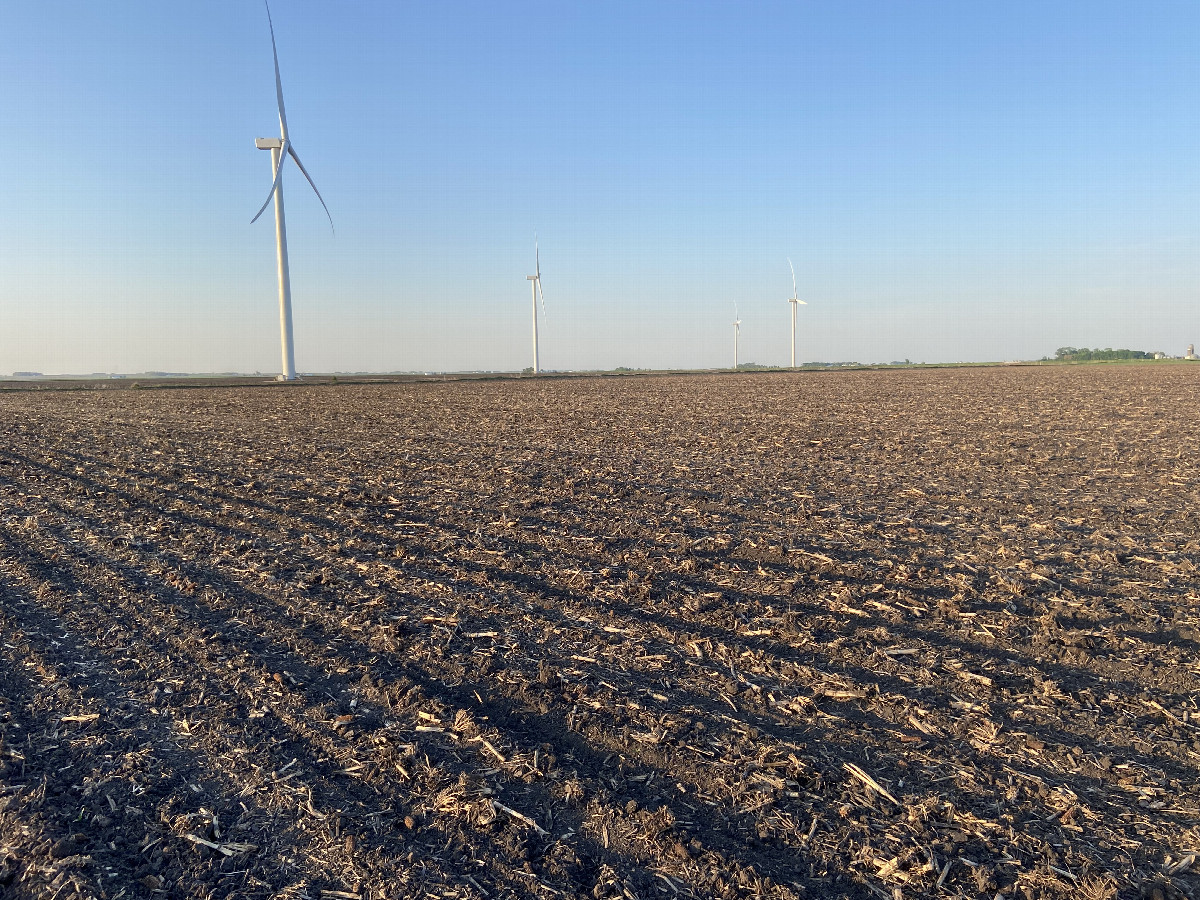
(864, 634)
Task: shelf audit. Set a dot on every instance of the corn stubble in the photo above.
(922, 633)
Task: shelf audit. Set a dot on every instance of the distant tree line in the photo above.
(1083, 354)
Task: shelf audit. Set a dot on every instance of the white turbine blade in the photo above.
(802, 303)
(793, 268)
(278, 84)
(537, 273)
(292, 151)
(274, 184)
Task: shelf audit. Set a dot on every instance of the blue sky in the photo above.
(953, 181)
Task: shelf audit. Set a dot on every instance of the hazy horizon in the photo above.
(952, 183)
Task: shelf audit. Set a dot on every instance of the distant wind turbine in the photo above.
(536, 278)
(281, 148)
(795, 301)
(737, 330)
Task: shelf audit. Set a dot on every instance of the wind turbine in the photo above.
(737, 330)
(536, 286)
(281, 148)
(795, 301)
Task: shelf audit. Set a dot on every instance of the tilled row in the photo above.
(449, 654)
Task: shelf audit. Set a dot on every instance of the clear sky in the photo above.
(953, 181)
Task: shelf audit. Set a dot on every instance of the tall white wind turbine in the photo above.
(737, 331)
(795, 301)
(536, 285)
(281, 148)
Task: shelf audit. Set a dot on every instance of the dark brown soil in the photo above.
(870, 634)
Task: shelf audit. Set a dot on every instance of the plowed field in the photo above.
(863, 634)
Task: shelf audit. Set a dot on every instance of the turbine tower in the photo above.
(281, 148)
(795, 301)
(737, 330)
(536, 285)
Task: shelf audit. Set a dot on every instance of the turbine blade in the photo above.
(537, 273)
(292, 151)
(793, 268)
(278, 84)
(274, 184)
